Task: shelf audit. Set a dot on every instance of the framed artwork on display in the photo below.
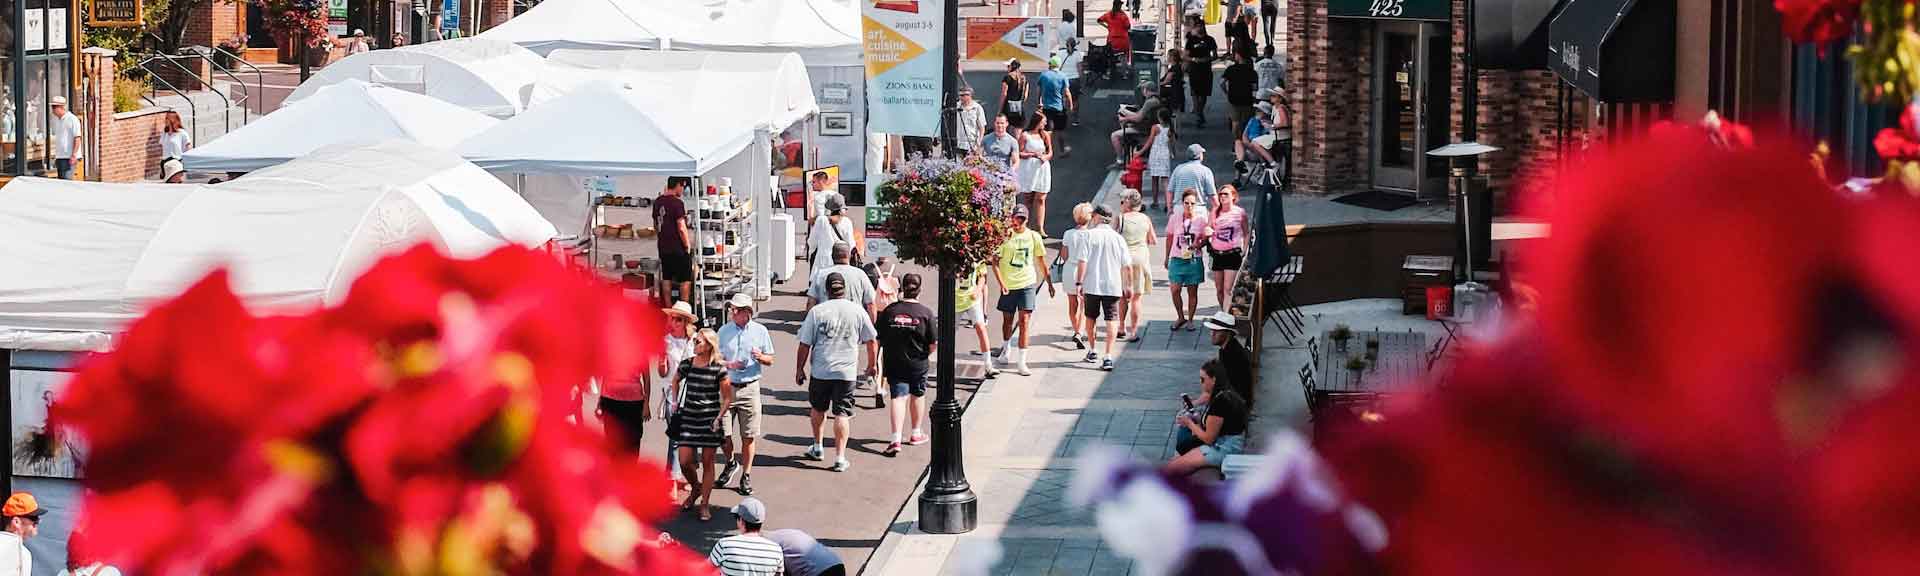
(836, 123)
(35, 452)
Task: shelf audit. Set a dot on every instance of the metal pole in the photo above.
(305, 52)
(6, 411)
(948, 504)
(1469, 132)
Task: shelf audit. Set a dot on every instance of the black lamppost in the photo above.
(948, 505)
(305, 41)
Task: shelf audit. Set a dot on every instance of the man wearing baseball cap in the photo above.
(66, 138)
(1055, 100)
(748, 349)
(22, 514)
(830, 341)
(748, 553)
(1233, 358)
(1019, 268)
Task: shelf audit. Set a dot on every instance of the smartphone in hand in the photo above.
(1186, 401)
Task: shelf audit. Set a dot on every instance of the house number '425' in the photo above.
(1387, 7)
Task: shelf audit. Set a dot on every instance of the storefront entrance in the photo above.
(1410, 104)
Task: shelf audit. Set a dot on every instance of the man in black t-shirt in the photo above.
(670, 220)
(1240, 80)
(907, 340)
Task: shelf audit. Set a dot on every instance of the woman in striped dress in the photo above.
(703, 382)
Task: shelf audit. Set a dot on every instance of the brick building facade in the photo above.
(1336, 79)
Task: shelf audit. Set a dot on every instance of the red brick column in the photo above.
(1330, 69)
(495, 13)
(129, 142)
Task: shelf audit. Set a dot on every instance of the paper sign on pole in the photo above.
(902, 39)
(996, 39)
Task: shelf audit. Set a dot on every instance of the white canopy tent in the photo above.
(601, 24)
(824, 33)
(347, 112)
(610, 128)
(92, 256)
(769, 89)
(488, 76)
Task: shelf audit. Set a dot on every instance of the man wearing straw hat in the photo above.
(66, 138)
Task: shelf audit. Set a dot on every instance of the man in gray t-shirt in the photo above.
(859, 289)
(830, 340)
(1000, 146)
(805, 556)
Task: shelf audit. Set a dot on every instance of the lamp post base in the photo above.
(949, 513)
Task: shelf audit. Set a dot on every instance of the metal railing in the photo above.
(259, 77)
(171, 60)
(194, 123)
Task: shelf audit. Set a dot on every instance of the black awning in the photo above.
(1512, 34)
(1615, 50)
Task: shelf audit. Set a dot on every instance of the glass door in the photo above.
(1397, 113)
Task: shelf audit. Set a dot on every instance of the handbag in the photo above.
(853, 252)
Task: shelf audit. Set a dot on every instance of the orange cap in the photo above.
(22, 504)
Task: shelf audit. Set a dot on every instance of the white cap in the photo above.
(58, 101)
(1196, 149)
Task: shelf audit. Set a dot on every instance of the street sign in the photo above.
(115, 13)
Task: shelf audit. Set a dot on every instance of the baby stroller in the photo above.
(1102, 65)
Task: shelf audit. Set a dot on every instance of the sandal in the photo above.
(689, 504)
(706, 514)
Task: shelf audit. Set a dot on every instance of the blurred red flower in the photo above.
(1818, 21)
(423, 427)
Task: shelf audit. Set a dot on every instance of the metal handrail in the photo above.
(196, 112)
(195, 126)
(259, 77)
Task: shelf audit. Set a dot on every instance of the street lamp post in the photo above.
(948, 505)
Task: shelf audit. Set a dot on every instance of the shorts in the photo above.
(831, 396)
(1239, 116)
(1093, 305)
(904, 386)
(745, 409)
(1217, 452)
(1019, 299)
(1185, 272)
(974, 314)
(1058, 118)
(1227, 261)
(623, 421)
(676, 266)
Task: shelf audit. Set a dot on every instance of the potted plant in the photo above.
(1373, 347)
(1356, 365)
(1340, 335)
(230, 50)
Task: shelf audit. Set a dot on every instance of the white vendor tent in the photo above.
(610, 128)
(348, 112)
(822, 32)
(605, 24)
(91, 256)
(770, 89)
(488, 76)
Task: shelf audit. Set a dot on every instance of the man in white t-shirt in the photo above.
(1100, 272)
(22, 516)
(66, 138)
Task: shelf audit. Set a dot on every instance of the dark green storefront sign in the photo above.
(1393, 9)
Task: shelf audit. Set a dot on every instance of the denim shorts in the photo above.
(1221, 448)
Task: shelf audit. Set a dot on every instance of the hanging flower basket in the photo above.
(949, 214)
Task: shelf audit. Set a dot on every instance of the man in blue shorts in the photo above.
(907, 340)
(1020, 267)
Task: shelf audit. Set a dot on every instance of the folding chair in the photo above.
(1307, 387)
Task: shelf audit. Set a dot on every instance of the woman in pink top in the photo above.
(1226, 243)
(1186, 231)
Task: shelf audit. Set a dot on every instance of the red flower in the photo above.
(1818, 21)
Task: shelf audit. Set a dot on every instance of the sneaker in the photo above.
(893, 449)
(1092, 357)
(1078, 343)
(814, 452)
(1021, 367)
(746, 484)
(1107, 365)
(976, 353)
(917, 438)
(727, 472)
(841, 465)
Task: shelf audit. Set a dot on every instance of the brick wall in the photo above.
(215, 22)
(496, 13)
(129, 142)
(1331, 72)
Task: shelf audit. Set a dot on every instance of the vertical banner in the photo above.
(902, 39)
